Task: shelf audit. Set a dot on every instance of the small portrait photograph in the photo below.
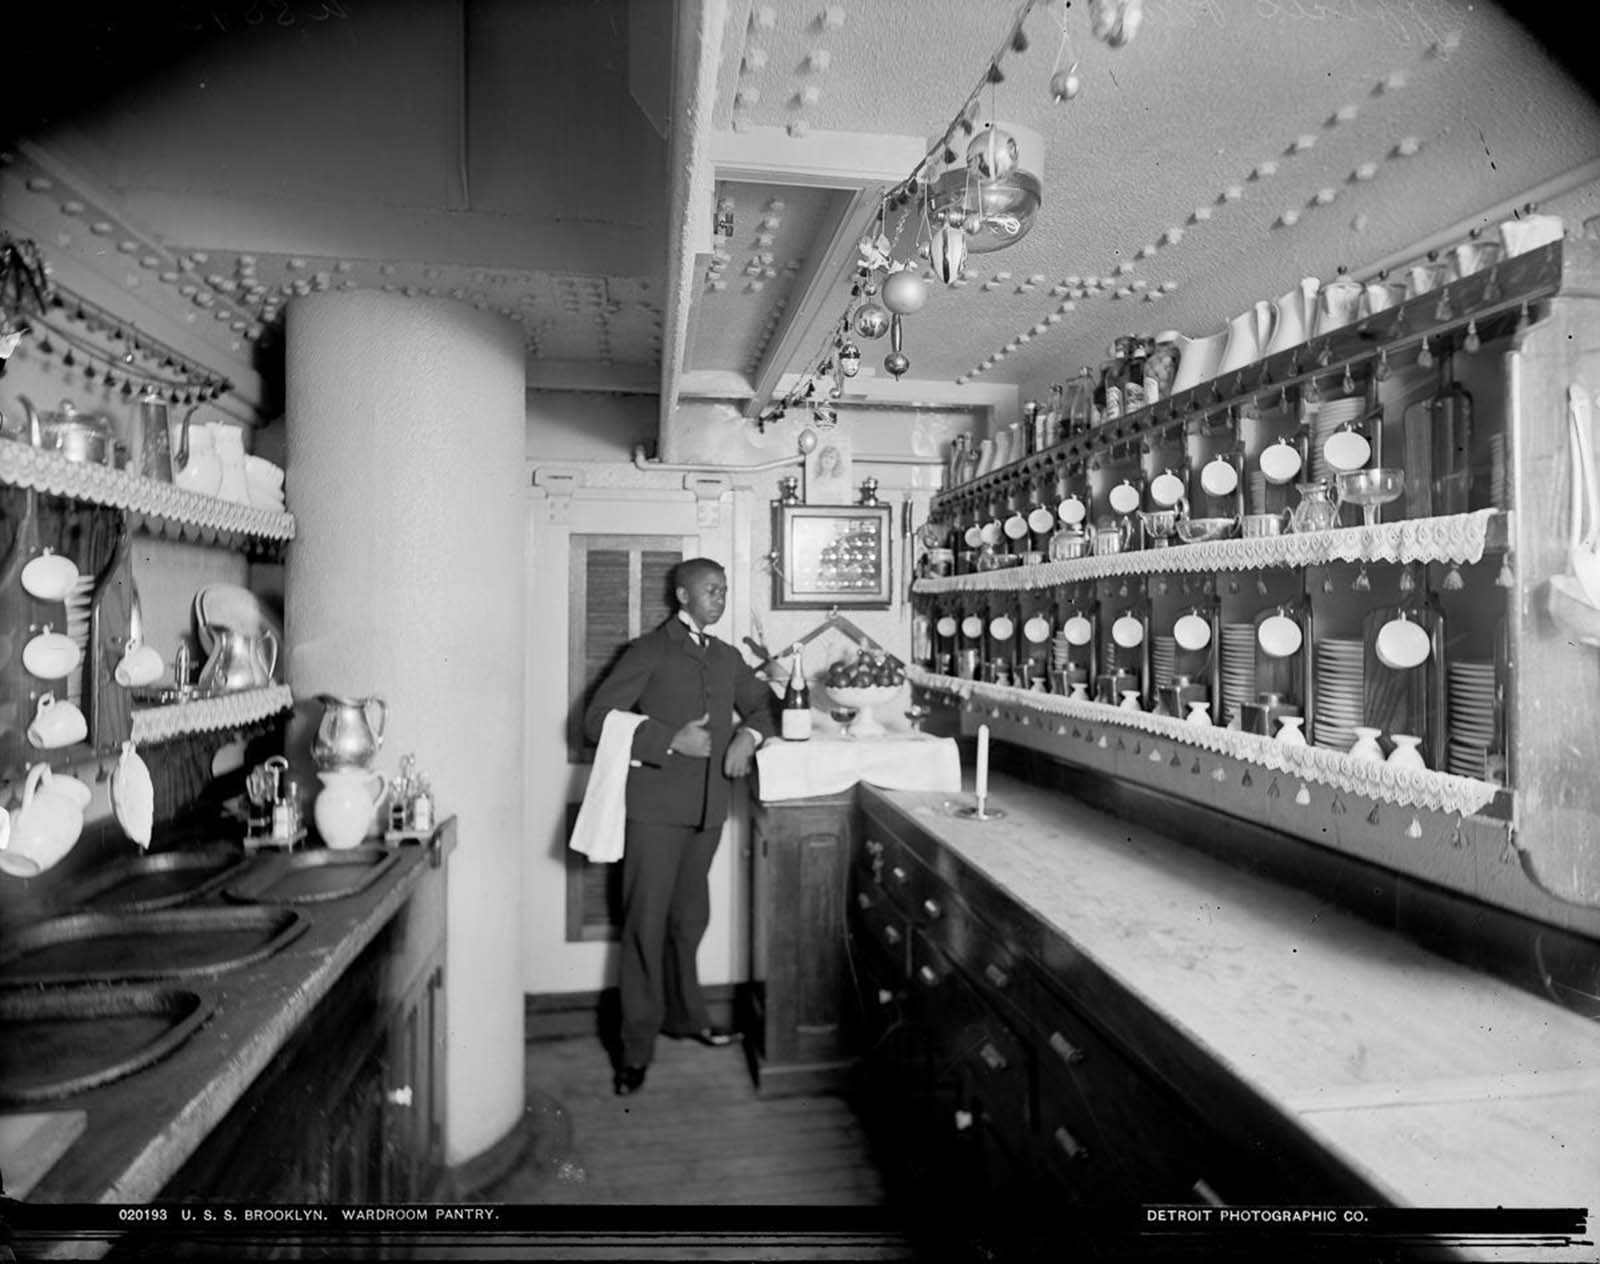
(828, 472)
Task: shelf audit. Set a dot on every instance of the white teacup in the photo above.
(57, 724)
(43, 830)
(141, 665)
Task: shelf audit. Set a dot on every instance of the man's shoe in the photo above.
(628, 1080)
(713, 1037)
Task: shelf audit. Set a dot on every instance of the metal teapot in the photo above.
(239, 662)
(348, 736)
(83, 437)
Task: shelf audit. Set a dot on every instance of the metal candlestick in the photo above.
(980, 811)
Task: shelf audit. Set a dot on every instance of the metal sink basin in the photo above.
(166, 944)
(140, 883)
(69, 1040)
(311, 877)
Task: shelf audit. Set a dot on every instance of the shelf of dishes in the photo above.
(1052, 721)
(1469, 310)
(167, 720)
(152, 505)
(1293, 656)
(1454, 539)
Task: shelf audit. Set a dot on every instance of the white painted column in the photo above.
(405, 423)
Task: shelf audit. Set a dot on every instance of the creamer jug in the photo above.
(1296, 310)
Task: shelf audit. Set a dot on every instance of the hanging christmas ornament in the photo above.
(949, 254)
(904, 292)
(1116, 21)
(871, 321)
(993, 153)
(849, 359)
(1065, 84)
(807, 442)
(896, 361)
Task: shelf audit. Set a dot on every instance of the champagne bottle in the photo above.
(796, 718)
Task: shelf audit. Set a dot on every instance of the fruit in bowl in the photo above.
(864, 683)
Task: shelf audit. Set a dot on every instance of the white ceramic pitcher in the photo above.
(1197, 359)
(1296, 310)
(1248, 333)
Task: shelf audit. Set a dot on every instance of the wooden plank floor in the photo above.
(698, 1133)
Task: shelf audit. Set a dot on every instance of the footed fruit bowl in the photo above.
(863, 700)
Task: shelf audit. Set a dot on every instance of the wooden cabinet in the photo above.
(352, 1109)
(993, 1083)
(793, 1021)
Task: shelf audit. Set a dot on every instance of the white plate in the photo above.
(1036, 629)
(1016, 527)
(50, 577)
(973, 537)
(1127, 632)
(1078, 630)
(1279, 636)
(1280, 462)
(1219, 478)
(1192, 632)
(972, 627)
(1072, 511)
(1040, 520)
(1001, 628)
(1402, 644)
(1347, 451)
(947, 625)
(1166, 490)
(51, 655)
(1124, 497)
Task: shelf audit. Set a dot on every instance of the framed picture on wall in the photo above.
(830, 555)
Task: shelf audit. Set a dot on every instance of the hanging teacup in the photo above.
(973, 537)
(1402, 644)
(50, 655)
(990, 533)
(1040, 520)
(1016, 527)
(141, 665)
(56, 724)
(50, 577)
(1279, 636)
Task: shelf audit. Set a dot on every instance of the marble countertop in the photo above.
(143, 1128)
(1437, 1084)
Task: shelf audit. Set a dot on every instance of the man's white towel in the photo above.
(603, 816)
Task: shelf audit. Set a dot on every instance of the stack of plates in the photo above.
(1060, 652)
(1340, 673)
(1163, 654)
(1499, 492)
(1238, 666)
(77, 603)
(1470, 696)
(1258, 492)
(1330, 416)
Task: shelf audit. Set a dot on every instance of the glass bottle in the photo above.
(796, 716)
(1053, 418)
(1134, 396)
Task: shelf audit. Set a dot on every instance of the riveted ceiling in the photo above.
(220, 160)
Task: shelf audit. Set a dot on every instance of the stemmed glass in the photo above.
(842, 716)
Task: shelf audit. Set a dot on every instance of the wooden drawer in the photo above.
(1105, 1124)
(986, 955)
(899, 873)
(879, 928)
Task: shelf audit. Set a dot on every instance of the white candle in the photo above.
(983, 762)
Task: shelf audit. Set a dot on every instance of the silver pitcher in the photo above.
(350, 732)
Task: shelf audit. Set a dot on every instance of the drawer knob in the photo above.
(399, 1096)
(863, 900)
(891, 935)
(1208, 1195)
(996, 975)
(992, 1057)
(874, 847)
(885, 996)
(963, 1120)
(900, 874)
(1070, 1146)
(931, 908)
(927, 975)
(1067, 1051)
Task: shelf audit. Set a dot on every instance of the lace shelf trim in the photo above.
(1457, 538)
(1385, 783)
(205, 715)
(160, 503)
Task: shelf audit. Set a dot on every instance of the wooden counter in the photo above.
(142, 1130)
(1421, 1080)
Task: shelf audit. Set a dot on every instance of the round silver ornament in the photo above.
(949, 253)
(993, 154)
(849, 359)
(871, 321)
(904, 292)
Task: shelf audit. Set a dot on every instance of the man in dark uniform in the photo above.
(687, 750)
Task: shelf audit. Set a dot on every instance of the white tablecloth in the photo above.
(828, 764)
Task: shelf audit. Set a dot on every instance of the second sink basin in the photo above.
(166, 944)
(310, 877)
